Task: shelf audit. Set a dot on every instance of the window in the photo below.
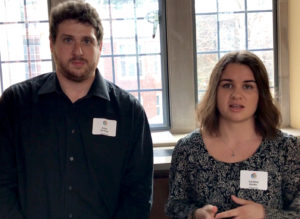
(137, 50)
(133, 52)
(227, 25)
(24, 46)
(182, 63)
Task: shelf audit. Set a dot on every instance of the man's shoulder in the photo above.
(32, 83)
(120, 95)
(28, 88)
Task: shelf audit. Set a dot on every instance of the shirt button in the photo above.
(70, 188)
(73, 131)
(71, 158)
(70, 215)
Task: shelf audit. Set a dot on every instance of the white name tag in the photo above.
(253, 180)
(103, 126)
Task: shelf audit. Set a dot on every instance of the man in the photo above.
(73, 145)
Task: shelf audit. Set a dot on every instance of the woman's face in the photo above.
(237, 94)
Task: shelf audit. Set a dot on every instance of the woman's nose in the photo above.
(236, 93)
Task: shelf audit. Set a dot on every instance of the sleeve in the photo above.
(9, 202)
(290, 183)
(180, 204)
(136, 186)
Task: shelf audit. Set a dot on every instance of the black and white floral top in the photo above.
(197, 179)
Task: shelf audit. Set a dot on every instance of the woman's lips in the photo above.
(236, 107)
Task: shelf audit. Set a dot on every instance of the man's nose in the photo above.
(77, 50)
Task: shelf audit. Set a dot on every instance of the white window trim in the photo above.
(283, 62)
(181, 65)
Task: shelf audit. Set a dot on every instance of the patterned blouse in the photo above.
(197, 179)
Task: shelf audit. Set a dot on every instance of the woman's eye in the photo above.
(227, 85)
(248, 86)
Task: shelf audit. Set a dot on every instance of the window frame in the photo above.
(165, 94)
(182, 116)
(180, 63)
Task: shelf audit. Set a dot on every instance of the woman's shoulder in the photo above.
(283, 138)
(284, 142)
(190, 141)
(191, 138)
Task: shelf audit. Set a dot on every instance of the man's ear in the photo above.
(100, 46)
(51, 44)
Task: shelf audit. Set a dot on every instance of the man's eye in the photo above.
(87, 41)
(67, 40)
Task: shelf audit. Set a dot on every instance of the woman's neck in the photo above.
(236, 132)
(234, 142)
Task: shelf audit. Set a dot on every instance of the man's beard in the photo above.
(73, 75)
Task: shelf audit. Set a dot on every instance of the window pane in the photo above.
(205, 64)
(260, 30)
(236, 28)
(232, 31)
(17, 43)
(38, 38)
(11, 11)
(259, 5)
(150, 72)
(104, 10)
(146, 5)
(36, 10)
(126, 72)
(268, 59)
(207, 33)
(124, 37)
(204, 6)
(105, 67)
(12, 42)
(146, 42)
(106, 44)
(152, 102)
(122, 9)
(231, 5)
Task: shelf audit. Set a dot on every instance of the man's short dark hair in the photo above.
(76, 10)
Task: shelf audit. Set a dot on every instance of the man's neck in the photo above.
(75, 90)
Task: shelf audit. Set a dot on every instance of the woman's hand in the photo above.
(247, 210)
(206, 212)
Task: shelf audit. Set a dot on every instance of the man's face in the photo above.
(76, 51)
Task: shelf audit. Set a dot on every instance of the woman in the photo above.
(238, 164)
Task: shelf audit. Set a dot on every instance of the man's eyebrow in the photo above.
(66, 35)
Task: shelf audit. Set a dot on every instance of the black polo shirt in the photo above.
(88, 159)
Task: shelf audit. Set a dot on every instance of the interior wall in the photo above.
(294, 61)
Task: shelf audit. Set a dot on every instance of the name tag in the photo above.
(253, 180)
(103, 126)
